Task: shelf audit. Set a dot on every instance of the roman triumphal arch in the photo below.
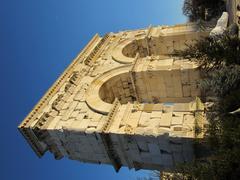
(125, 100)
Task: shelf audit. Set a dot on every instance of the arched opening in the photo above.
(136, 46)
(120, 87)
(162, 45)
(161, 86)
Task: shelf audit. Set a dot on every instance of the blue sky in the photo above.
(38, 39)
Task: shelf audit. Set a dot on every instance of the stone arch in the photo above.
(93, 98)
(157, 86)
(163, 44)
(117, 54)
(120, 87)
(134, 47)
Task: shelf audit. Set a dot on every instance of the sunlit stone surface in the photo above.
(125, 101)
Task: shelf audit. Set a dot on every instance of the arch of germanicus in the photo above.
(124, 100)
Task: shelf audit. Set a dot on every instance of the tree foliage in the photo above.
(219, 57)
(203, 9)
(223, 137)
(213, 51)
(222, 81)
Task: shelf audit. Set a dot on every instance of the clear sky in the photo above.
(38, 39)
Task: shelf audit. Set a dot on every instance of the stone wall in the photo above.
(122, 104)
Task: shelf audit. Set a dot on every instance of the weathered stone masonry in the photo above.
(125, 101)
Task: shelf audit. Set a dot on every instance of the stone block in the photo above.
(52, 125)
(72, 106)
(154, 123)
(166, 119)
(74, 114)
(65, 106)
(186, 90)
(146, 157)
(135, 156)
(177, 119)
(156, 114)
(167, 160)
(82, 125)
(134, 119)
(185, 76)
(153, 149)
(93, 124)
(188, 119)
(143, 146)
(181, 107)
(79, 96)
(80, 117)
(144, 119)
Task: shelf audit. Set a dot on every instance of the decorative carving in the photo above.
(111, 115)
(128, 129)
(74, 78)
(56, 105)
(95, 52)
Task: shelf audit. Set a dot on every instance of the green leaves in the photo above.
(219, 59)
(213, 52)
(223, 80)
(203, 9)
